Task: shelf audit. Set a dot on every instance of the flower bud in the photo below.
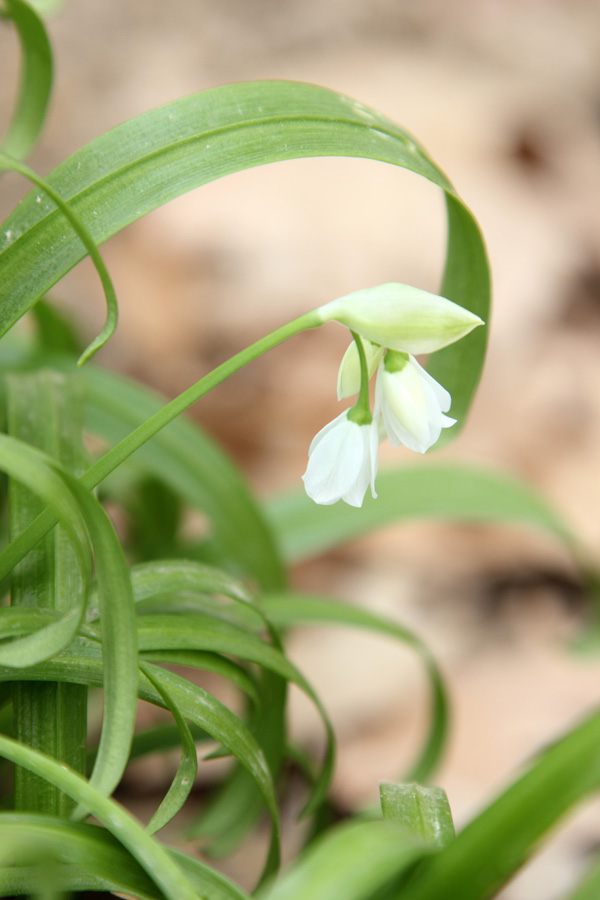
(402, 317)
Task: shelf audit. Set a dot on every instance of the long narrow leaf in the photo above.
(298, 609)
(194, 467)
(183, 781)
(35, 83)
(450, 492)
(153, 858)
(203, 632)
(83, 665)
(93, 859)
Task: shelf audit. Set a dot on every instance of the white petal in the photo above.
(443, 397)
(340, 464)
(405, 409)
(411, 404)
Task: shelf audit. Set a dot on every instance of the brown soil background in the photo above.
(506, 97)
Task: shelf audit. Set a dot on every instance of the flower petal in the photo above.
(341, 463)
(411, 403)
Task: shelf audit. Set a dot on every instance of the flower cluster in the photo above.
(391, 323)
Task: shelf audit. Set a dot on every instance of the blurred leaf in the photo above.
(450, 492)
(199, 472)
(488, 852)
(151, 856)
(589, 888)
(35, 81)
(154, 519)
(423, 812)
(300, 609)
(54, 332)
(354, 861)
(93, 860)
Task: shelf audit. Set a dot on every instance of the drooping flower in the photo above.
(411, 402)
(389, 323)
(402, 317)
(342, 462)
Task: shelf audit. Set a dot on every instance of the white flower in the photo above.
(412, 404)
(342, 462)
(402, 317)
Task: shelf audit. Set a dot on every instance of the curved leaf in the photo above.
(161, 154)
(7, 162)
(92, 859)
(151, 856)
(80, 511)
(83, 665)
(202, 632)
(40, 474)
(298, 609)
(35, 83)
(183, 782)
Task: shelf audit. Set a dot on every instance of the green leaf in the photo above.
(194, 467)
(92, 859)
(82, 234)
(153, 858)
(496, 843)
(210, 662)
(38, 472)
(183, 781)
(35, 81)
(159, 155)
(423, 812)
(80, 511)
(83, 665)
(353, 862)
(298, 609)
(589, 888)
(45, 409)
(202, 632)
(454, 492)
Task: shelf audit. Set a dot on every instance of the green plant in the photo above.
(82, 616)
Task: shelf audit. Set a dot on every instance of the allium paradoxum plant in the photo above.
(389, 324)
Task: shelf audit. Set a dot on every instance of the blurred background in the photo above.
(505, 96)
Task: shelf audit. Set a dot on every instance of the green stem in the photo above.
(361, 411)
(121, 451)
